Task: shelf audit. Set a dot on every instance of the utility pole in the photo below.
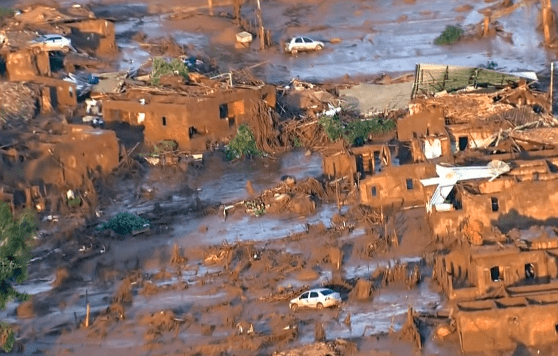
(237, 11)
(210, 5)
(260, 26)
(547, 17)
(551, 89)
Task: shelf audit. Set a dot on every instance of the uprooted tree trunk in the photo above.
(264, 126)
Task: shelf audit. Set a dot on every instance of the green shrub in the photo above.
(125, 223)
(243, 144)
(74, 202)
(354, 132)
(450, 35)
(161, 68)
(333, 127)
(164, 146)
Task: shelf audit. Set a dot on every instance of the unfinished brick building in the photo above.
(191, 120)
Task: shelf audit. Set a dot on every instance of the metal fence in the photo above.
(434, 78)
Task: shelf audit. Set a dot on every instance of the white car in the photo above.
(53, 42)
(316, 298)
(303, 44)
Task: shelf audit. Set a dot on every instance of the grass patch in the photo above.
(354, 132)
(450, 35)
(161, 68)
(243, 144)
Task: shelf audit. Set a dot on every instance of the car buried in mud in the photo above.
(299, 44)
(53, 42)
(316, 298)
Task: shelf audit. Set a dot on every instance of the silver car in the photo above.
(316, 298)
(303, 44)
(53, 42)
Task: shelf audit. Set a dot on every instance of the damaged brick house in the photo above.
(520, 273)
(441, 126)
(527, 193)
(192, 118)
(397, 186)
(502, 324)
(35, 173)
(475, 272)
(339, 162)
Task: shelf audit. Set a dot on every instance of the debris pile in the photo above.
(18, 102)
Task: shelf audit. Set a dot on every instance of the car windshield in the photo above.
(326, 291)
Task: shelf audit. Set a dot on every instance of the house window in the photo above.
(463, 143)
(529, 271)
(495, 274)
(164, 121)
(374, 191)
(223, 111)
(494, 202)
(192, 131)
(409, 182)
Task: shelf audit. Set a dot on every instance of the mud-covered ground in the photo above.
(214, 274)
(235, 270)
(370, 37)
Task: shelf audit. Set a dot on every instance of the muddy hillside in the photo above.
(325, 177)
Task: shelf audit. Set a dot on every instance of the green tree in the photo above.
(15, 235)
(161, 68)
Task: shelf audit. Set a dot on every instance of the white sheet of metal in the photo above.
(449, 176)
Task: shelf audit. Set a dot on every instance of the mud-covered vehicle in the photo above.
(52, 42)
(316, 298)
(299, 44)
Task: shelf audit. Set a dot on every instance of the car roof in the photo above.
(319, 289)
(51, 35)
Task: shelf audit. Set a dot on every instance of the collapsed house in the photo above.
(443, 125)
(192, 117)
(93, 35)
(49, 163)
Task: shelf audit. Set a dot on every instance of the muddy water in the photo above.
(388, 36)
